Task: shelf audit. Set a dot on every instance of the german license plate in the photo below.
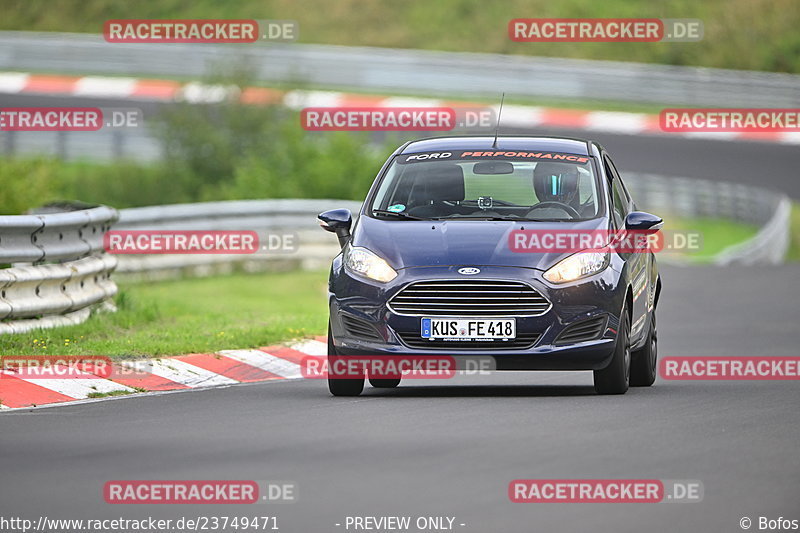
(469, 328)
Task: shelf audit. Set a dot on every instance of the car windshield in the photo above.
(493, 185)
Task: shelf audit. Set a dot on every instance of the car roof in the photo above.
(504, 142)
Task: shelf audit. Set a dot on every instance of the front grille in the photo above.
(523, 340)
(587, 330)
(360, 328)
(469, 298)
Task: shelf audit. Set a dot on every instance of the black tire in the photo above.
(644, 361)
(345, 386)
(614, 378)
(384, 383)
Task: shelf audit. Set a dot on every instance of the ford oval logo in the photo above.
(469, 271)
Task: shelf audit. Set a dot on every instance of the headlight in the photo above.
(577, 266)
(363, 262)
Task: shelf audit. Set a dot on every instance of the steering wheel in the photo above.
(568, 209)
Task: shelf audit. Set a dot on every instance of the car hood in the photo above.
(412, 243)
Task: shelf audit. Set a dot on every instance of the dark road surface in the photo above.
(451, 448)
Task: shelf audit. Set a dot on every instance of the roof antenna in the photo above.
(499, 113)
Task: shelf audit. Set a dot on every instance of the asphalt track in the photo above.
(451, 448)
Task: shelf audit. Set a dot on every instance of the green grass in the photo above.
(191, 316)
(794, 234)
(716, 235)
(112, 393)
(742, 34)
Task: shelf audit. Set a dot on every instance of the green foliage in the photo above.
(26, 183)
(221, 152)
(32, 182)
(793, 254)
(244, 152)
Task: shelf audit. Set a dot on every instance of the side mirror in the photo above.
(337, 221)
(641, 221)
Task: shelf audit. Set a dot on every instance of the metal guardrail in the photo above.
(54, 236)
(698, 198)
(58, 270)
(298, 217)
(140, 144)
(427, 73)
(45, 295)
(695, 198)
(670, 196)
(769, 245)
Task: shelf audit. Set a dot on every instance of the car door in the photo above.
(621, 205)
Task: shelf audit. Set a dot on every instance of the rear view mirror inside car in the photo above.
(493, 167)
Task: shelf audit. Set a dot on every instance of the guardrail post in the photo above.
(9, 142)
(61, 145)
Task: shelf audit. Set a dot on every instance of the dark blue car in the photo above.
(458, 250)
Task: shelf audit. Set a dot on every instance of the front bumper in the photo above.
(601, 295)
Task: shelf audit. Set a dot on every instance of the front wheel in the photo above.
(336, 385)
(614, 378)
(644, 360)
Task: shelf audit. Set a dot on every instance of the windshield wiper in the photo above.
(492, 217)
(513, 218)
(395, 214)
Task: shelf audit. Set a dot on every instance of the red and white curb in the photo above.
(195, 92)
(193, 371)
